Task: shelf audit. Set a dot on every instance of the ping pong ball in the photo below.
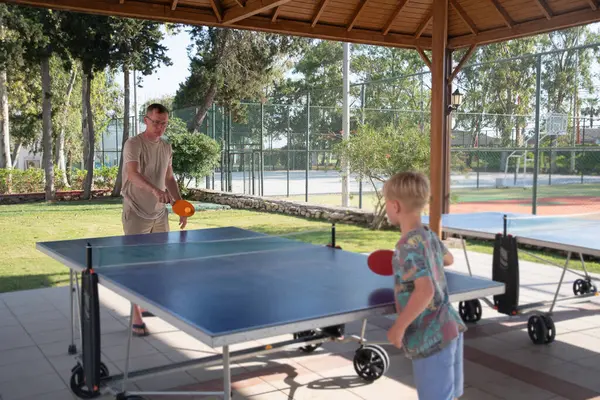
(187, 210)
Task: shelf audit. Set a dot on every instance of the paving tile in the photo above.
(317, 391)
(23, 388)
(472, 393)
(138, 348)
(165, 381)
(513, 389)
(402, 388)
(7, 318)
(21, 354)
(58, 335)
(12, 337)
(25, 369)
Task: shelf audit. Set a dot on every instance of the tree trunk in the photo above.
(196, 122)
(126, 119)
(15, 154)
(47, 129)
(60, 140)
(5, 159)
(84, 123)
(89, 162)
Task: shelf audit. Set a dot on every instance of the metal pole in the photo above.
(214, 132)
(222, 149)
(536, 156)
(229, 174)
(261, 156)
(307, 145)
(288, 153)
(346, 123)
(363, 97)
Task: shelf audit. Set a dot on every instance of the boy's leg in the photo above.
(435, 375)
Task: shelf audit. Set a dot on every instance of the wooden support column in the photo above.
(438, 112)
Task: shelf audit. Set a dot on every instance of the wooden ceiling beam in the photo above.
(505, 16)
(251, 8)
(394, 15)
(217, 9)
(240, 3)
(464, 16)
(424, 24)
(424, 57)
(593, 4)
(529, 28)
(545, 8)
(275, 14)
(462, 62)
(357, 12)
(320, 10)
(174, 4)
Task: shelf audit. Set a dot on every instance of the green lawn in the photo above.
(22, 266)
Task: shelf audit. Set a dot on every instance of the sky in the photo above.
(166, 79)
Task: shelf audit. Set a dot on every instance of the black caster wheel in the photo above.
(541, 329)
(582, 286)
(77, 382)
(371, 362)
(308, 348)
(72, 349)
(470, 311)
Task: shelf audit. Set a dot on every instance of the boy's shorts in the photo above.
(440, 376)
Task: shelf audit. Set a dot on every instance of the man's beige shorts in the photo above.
(134, 224)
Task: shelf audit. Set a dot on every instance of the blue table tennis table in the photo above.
(513, 232)
(225, 286)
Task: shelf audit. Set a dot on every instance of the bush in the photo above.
(195, 155)
(32, 180)
(377, 154)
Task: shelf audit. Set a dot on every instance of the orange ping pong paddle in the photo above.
(183, 208)
(380, 262)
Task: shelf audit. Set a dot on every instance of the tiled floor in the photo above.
(500, 360)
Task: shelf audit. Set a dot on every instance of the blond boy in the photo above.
(428, 327)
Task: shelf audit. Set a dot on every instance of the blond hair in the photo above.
(411, 188)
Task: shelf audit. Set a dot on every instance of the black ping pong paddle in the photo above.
(380, 262)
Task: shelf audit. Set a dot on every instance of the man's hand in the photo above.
(162, 196)
(182, 222)
(395, 334)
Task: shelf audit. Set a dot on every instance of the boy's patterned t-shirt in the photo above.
(420, 253)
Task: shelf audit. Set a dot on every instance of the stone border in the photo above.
(67, 195)
(344, 215)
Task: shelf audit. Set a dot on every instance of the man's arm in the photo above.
(171, 184)
(137, 179)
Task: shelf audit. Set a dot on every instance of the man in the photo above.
(148, 184)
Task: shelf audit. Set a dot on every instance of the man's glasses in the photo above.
(159, 123)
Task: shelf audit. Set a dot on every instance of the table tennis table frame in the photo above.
(308, 335)
(535, 308)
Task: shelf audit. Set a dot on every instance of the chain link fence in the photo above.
(285, 150)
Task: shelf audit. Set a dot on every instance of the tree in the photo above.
(377, 154)
(89, 40)
(195, 155)
(137, 45)
(230, 65)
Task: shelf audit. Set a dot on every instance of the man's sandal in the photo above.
(142, 327)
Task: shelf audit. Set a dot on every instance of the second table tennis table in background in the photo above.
(573, 234)
(225, 286)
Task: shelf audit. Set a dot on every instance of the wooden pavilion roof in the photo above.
(398, 23)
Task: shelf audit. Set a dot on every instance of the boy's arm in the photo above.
(419, 299)
(448, 258)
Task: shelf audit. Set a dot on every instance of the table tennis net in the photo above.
(551, 223)
(160, 253)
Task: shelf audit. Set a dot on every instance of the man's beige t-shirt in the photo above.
(153, 159)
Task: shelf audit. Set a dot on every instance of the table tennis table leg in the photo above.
(226, 374)
(72, 347)
(562, 277)
(129, 336)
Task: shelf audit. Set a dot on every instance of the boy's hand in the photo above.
(395, 334)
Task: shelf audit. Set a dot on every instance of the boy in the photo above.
(428, 328)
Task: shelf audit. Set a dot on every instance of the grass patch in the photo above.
(22, 266)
